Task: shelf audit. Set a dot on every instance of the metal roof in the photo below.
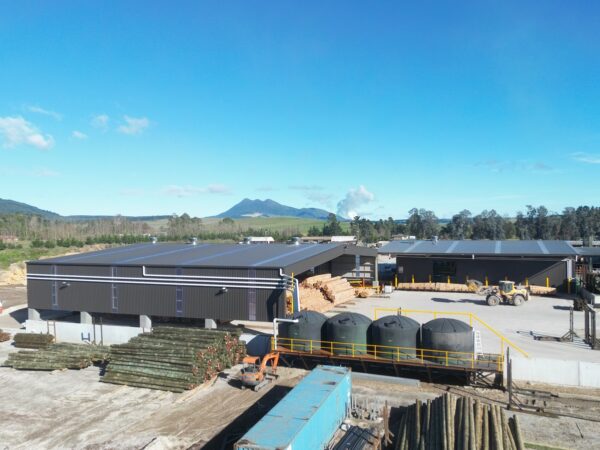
(266, 256)
(588, 251)
(480, 247)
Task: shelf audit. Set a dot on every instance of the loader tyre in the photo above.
(518, 300)
(493, 300)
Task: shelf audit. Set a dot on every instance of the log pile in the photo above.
(435, 287)
(33, 340)
(451, 423)
(57, 357)
(4, 336)
(173, 359)
(322, 292)
(457, 287)
(542, 290)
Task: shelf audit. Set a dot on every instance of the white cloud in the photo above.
(100, 121)
(17, 131)
(45, 112)
(218, 189)
(586, 158)
(79, 135)
(134, 125)
(314, 193)
(354, 199)
(189, 191)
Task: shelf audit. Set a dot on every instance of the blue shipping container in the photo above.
(307, 417)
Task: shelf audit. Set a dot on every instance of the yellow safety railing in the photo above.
(504, 341)
(387, 352)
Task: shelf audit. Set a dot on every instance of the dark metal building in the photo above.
(217, 281)
(535, 262)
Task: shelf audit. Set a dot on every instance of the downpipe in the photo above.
(275, 328)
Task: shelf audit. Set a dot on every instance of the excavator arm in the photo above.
(274, 357)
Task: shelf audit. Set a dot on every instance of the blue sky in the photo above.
(154, 107)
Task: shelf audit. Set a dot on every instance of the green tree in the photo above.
(332, 227)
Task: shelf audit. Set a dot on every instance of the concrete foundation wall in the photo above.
(556, 371)
(79, 333)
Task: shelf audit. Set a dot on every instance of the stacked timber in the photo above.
(33, 340)
(457, 287)
(322, 292)
(4, 336)
(58, 357)
(450, 423)
(173, 359)
(542, 290)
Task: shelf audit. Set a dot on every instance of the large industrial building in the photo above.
(220, 282)
(536, 262)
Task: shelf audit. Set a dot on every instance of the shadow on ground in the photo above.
(462, 300)
(236, 429)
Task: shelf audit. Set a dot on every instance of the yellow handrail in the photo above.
(503, 339)
(444, 357)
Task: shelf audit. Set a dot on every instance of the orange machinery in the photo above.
(255, 375)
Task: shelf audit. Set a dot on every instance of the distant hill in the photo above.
(270, 208)
(131, 218)
(13, 207)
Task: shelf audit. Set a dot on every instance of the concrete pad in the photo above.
(541, 315)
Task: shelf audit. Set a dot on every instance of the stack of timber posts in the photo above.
(335, 289)
(173, 359)
(451, 423)
(4, 336)
(33, 340)
(58, 357)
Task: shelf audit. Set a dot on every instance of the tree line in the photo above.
(578, 223)
(582, 222)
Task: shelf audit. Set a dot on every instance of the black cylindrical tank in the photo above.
(347, 334)
(305, 335)
(394, 331)
(447, 341)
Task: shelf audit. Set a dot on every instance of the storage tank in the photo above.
(394, 331)
(346, 329)
(449, 335)
(308, 328)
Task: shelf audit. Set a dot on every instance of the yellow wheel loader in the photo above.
(505, 292)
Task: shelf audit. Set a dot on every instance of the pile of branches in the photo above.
(450, 423)
(173, 359)
(33, 340)
(58, 357)
(4, 336)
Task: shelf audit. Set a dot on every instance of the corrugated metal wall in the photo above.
(153, 300)
(517, 270)
(346, 266)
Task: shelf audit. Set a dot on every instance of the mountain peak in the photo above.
(270, 208)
